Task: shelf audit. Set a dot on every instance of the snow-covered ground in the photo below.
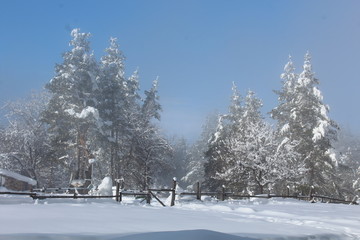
(24, 218)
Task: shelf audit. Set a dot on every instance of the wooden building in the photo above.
(15, 182)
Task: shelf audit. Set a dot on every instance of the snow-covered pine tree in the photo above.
(151, 107)
(287, 141)
(71, 112)
(148, 154)
(254, 147)
(282, 113)
(244, 152)
(220, 146)
(112, 94)
(303, 117)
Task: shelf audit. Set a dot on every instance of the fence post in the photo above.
(198, 191)
(173, 192)
(288, 190)
(222, 193)
(148, 197)
(117, 191)
(353, 201)
(311, 199)
(311, 191)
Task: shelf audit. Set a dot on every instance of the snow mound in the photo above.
(97, 219)
(105, 187)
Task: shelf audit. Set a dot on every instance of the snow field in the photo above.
(22, 218)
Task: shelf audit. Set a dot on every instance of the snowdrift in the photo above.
(53, 219)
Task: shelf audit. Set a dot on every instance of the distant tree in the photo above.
(179, 159)
(347, 149)
(196, 153)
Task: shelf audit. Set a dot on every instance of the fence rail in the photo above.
(150, 193)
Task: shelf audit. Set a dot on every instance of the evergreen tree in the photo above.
(302, 118)
(220, 146)
(196, 156)
(179, 159)
(244, 153)
(71, 112)
(253, 146)
(283, 112)
(148, 155)
(347, 149)
(111, 103)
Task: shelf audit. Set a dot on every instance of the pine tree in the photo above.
(220, 146)
(287, 141)
(148, 152)
(347, 149)
(111, 102)
(71, 112)
(245, 153)
(283, 112)
(302, 118)
(253, 145)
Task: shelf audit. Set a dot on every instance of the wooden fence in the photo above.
(151, 193)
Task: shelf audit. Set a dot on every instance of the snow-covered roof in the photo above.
(17, 176)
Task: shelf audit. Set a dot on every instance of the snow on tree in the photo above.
(283, 112)
(219, 152)
(253, 146)
(120, 109)
(24, 145)
(303, 118)
(245, 153)
(151, 107)
(147, 154)
(111, 102)
(71, 112)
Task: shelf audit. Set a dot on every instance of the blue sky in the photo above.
(197, 48)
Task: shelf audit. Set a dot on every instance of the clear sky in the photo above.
(196, 47)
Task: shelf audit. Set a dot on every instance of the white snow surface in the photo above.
(105, 187)
(17, 176)
(23, 218)
(84, 113)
